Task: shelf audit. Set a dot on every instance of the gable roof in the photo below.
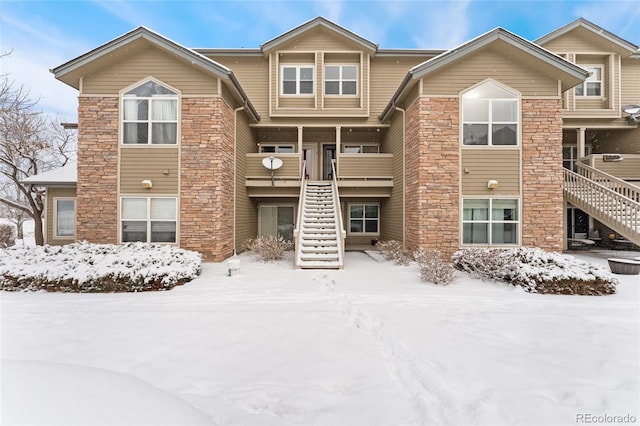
(573, 72)
(65, 176)
(583, 23)
(67, 72)
(314, 23)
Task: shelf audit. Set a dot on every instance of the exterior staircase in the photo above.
(610, 200)
(319, 239)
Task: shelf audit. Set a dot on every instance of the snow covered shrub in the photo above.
(89, 268)
(537, 271)
(269, 248)
(7, 235)
(392, 250)
(432, 268)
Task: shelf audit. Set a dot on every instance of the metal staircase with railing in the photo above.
(606, 198)
(319, 234)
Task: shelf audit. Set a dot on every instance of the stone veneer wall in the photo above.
(97, 201)
(432, 169)
(542, 176)
(206, 192)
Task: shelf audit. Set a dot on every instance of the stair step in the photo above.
(319, 257)
(323, 243)
(319, 237)
(318, 265)
(319, 251)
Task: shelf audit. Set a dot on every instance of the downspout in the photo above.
(404, 178)
(235, 160)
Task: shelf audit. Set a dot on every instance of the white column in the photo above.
(581, 138)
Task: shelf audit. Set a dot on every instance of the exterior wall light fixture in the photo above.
(147, 184)
(492, 184)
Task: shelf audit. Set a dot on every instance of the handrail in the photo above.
(615, 210)
(609, 181)
(338, 214)
(296, 231)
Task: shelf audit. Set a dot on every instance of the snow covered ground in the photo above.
(369, 345)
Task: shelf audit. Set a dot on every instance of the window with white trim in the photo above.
(364, 219)
(492, 221)
(65, 217)
(592, 86)
(341, 80)
(297, 80)
(490, 116)
(360, 148)
(149, 219)
(273, 148)
(150, 115)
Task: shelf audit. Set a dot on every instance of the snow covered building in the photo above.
(323, 137)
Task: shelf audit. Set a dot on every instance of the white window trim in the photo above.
(55, 218)
(361, 146)
(295, 213)
(148, 217)
(490, 221)
(277, 146)
(517, 99)
(298, 81)
(340, 80)
(121, 121)
(584, 83)
(364, 204)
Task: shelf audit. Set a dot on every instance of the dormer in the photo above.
(319, 69)
(600, 52)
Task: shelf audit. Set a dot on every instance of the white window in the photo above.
(272, 148)
(64, 217)
(361, 149)
(490, 116)
(493, 221)
(364, 219)
(277, 221)
(149, 219)
(341, 80)
(150, 115)
(592, 86)
(297, 80)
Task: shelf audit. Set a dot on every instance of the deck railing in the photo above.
(607, 205)
(296, 230)
(609, 181)
(338, 216)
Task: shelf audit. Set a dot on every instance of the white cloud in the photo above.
(621, 17)
(35, 48)
(446, 25)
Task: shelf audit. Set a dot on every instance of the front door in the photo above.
(328, 155)
(309, 156)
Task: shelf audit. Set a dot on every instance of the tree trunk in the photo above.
(20, 227)
(39, 235)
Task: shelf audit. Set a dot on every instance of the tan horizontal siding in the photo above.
(246, 213)
(481, 165)
(138, 164)
(386, 75)
(586, 102)
(365, 165)
(391, 216)
(253, 75)
(516, 72)
(578, 40)
(290, 167)
(628, 168)
(630, 81)
(319, 39)
(342, 103)
(296, 102)
(52, 194)
(151, 62)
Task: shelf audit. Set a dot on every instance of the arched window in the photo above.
(490, 116)
(150, 115)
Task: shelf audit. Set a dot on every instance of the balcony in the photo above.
(358, 175)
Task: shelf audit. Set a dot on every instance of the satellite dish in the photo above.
(272, 163)
(631, 109)
(634, 113)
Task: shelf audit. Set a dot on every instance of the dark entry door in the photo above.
(328, 155)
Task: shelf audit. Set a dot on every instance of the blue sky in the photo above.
(44, 34)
